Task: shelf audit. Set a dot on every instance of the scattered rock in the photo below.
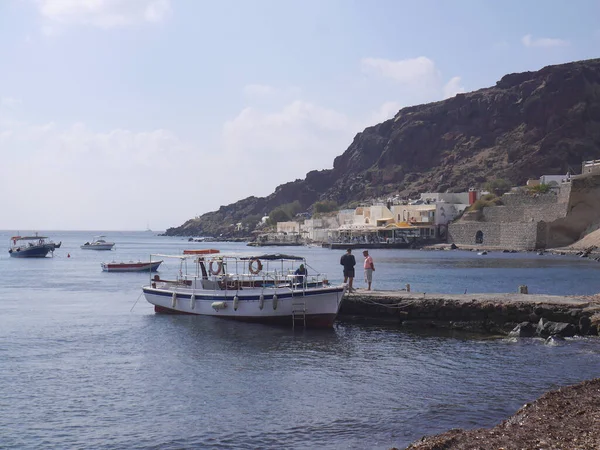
(524, 329)
(546, 328)
(564, 419)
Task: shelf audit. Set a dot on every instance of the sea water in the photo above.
(86, 363)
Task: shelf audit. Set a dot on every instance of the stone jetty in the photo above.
(518, 314)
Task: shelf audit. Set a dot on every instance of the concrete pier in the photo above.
(515, 314)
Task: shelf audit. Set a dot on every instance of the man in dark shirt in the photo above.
(348, 262)
(300, 277)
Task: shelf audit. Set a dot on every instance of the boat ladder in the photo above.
(299, 312)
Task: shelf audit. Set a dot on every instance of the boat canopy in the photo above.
(242, 257)
(28, 238)
(274, 257)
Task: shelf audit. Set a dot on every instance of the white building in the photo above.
(592, 166)
(290, 227)
(555, 180)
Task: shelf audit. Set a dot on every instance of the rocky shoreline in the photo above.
(518, 315)
(567, 418)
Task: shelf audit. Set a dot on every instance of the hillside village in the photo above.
(552, 211)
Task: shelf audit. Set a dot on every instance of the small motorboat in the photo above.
(98, 243)
(201, 251)
(140, 266)
(31, 246)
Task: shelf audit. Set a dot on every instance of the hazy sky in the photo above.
(118, 114)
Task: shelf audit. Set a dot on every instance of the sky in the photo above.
(128, 114)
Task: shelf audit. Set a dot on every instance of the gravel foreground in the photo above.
(565, 419)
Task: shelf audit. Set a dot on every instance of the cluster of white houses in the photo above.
(399, 223)
(387, 222)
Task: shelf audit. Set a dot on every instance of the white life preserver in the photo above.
(216, 271)
(258, 268)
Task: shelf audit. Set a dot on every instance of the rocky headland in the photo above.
(527, 125)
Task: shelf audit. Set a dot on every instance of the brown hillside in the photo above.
(528, 125)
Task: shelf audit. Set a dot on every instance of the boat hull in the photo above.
(131, 267)
(39, 251)
(97, 247)
(320, 306)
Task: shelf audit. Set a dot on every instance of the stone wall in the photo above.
(523, 198)
(516, 235)
(510, 214)
(523, 222)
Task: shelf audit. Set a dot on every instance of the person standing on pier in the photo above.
(369, 269)
(348, 261)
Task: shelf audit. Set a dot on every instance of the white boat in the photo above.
(98, 243)
(131, 266)
(262, 289)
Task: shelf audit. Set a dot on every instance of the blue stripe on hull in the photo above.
(233, 294)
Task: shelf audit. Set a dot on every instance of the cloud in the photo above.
(101, 179)
(9, 102)
(270, 96)
(386, 111)
(501, 45)
(258, 90)
(453, 87)
(283, 145)
(100, 13)
(415, 80)
(406, 71)
(529, 41)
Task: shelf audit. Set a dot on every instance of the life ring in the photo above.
(258, 268)
(216, 271)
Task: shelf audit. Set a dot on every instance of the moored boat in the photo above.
(31, 246)
(98, 243)
(140, 266)
(201, 251)
(263, 289)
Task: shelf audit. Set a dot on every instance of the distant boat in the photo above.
(98, 243)
(150, 266)
(31, 246)
(202, 251)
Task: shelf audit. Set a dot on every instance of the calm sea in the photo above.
(85, 363)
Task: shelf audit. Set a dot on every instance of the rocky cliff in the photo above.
(527, 125)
